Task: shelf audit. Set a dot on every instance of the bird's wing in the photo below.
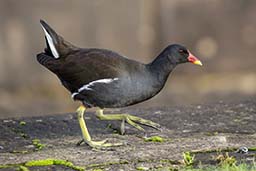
(84, 66)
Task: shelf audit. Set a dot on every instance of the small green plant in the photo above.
(22, 123)
(225, 159)
(188, 159)
(38, 145)
(23, 168)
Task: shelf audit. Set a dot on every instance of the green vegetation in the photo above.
(24, 135)
(154, 139)
(222, 159)
(23, 168)
(50, 162)
(225, 159)
(188, 159)
(20, 133)
(22, 123)
(47, 162)
(38, 145)
(224, 167)
(142, 168)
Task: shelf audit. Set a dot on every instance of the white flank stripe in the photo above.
(104, 81)
(51, 44)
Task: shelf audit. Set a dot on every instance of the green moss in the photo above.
(46, 162)
(38, 145)
(22, 123)
(49, 162)
(23, 168)
(142, 168)
(68, 164)
(154, 139)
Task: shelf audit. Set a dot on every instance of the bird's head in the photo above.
(179, 54)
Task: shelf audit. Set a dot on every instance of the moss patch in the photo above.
(38, 145)
(47, 162)
(22, 123)
(154, 139)
(142, 168)
(23, 168)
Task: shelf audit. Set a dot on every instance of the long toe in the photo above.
(145, 122)
(129, 121)
(103, 144)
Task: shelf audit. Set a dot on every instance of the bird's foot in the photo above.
(86, 136)
(99, 144)
(130, 119)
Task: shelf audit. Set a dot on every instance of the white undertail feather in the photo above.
(51, 44)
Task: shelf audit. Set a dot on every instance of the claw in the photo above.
(122, 128)
(80, 142)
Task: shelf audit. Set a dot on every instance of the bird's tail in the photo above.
(56, 46)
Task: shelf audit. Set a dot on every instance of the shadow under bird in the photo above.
(105, 79)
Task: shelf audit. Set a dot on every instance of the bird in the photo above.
(103, 79)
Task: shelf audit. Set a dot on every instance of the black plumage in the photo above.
(132, 82)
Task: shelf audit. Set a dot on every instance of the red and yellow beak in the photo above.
(194, 60)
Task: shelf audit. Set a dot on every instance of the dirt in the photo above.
(213, 129)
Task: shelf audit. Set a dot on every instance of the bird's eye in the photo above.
(182, 51)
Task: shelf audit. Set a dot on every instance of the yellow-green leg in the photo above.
(86, 136)
(130, 119)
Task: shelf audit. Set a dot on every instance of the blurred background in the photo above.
(222, 33)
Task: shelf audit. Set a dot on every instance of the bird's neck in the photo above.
(161, 67)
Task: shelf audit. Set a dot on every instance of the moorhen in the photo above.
(105, 79)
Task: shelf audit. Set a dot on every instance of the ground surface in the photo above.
(191, 128)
